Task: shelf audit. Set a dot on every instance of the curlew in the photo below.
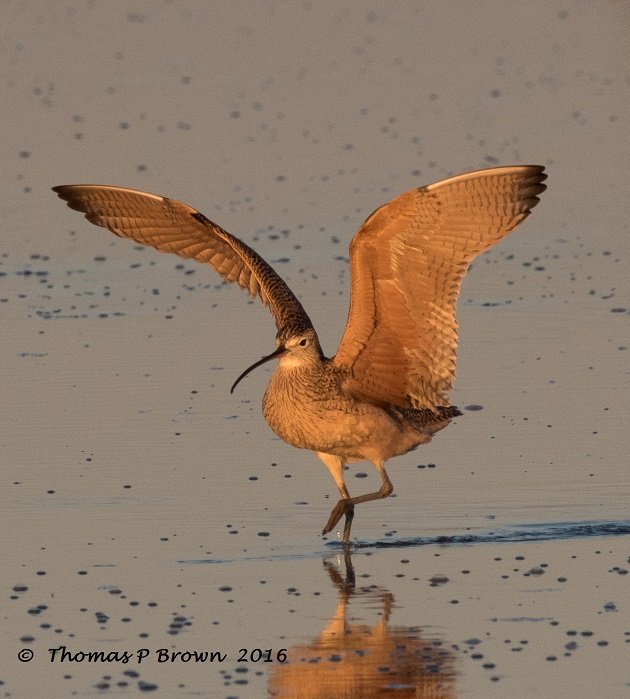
(386, 390)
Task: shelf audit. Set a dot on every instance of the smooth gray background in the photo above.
(124, 458)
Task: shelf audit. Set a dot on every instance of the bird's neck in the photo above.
(291, 362)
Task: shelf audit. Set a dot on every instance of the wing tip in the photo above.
(533, 185)
(67, 190)
(529, 173)
(61, 190)
(536, 173)
(65, 193)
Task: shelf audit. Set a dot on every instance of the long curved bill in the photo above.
(277, 353)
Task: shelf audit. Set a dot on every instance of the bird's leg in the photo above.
(345, 506)
(386, 489)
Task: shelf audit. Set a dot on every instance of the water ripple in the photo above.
(547, 531)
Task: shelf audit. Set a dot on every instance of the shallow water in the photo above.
(149, 515)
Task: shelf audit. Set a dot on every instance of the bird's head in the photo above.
(295, 347)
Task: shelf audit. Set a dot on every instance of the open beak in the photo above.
(277, 353)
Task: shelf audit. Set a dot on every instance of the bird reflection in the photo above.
(353, 658)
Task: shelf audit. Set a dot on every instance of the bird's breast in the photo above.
(299, 404)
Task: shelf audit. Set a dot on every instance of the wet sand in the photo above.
(148, 513)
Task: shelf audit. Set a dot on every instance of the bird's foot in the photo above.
(345, 507)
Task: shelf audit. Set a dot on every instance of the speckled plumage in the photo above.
(386, 390)
(316, 398)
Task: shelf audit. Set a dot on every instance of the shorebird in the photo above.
(386, 390)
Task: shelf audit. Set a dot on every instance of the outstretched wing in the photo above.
(407, 262)
(170, 226)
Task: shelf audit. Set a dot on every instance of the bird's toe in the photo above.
(343, 507)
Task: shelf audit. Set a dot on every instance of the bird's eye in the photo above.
(303, 342)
